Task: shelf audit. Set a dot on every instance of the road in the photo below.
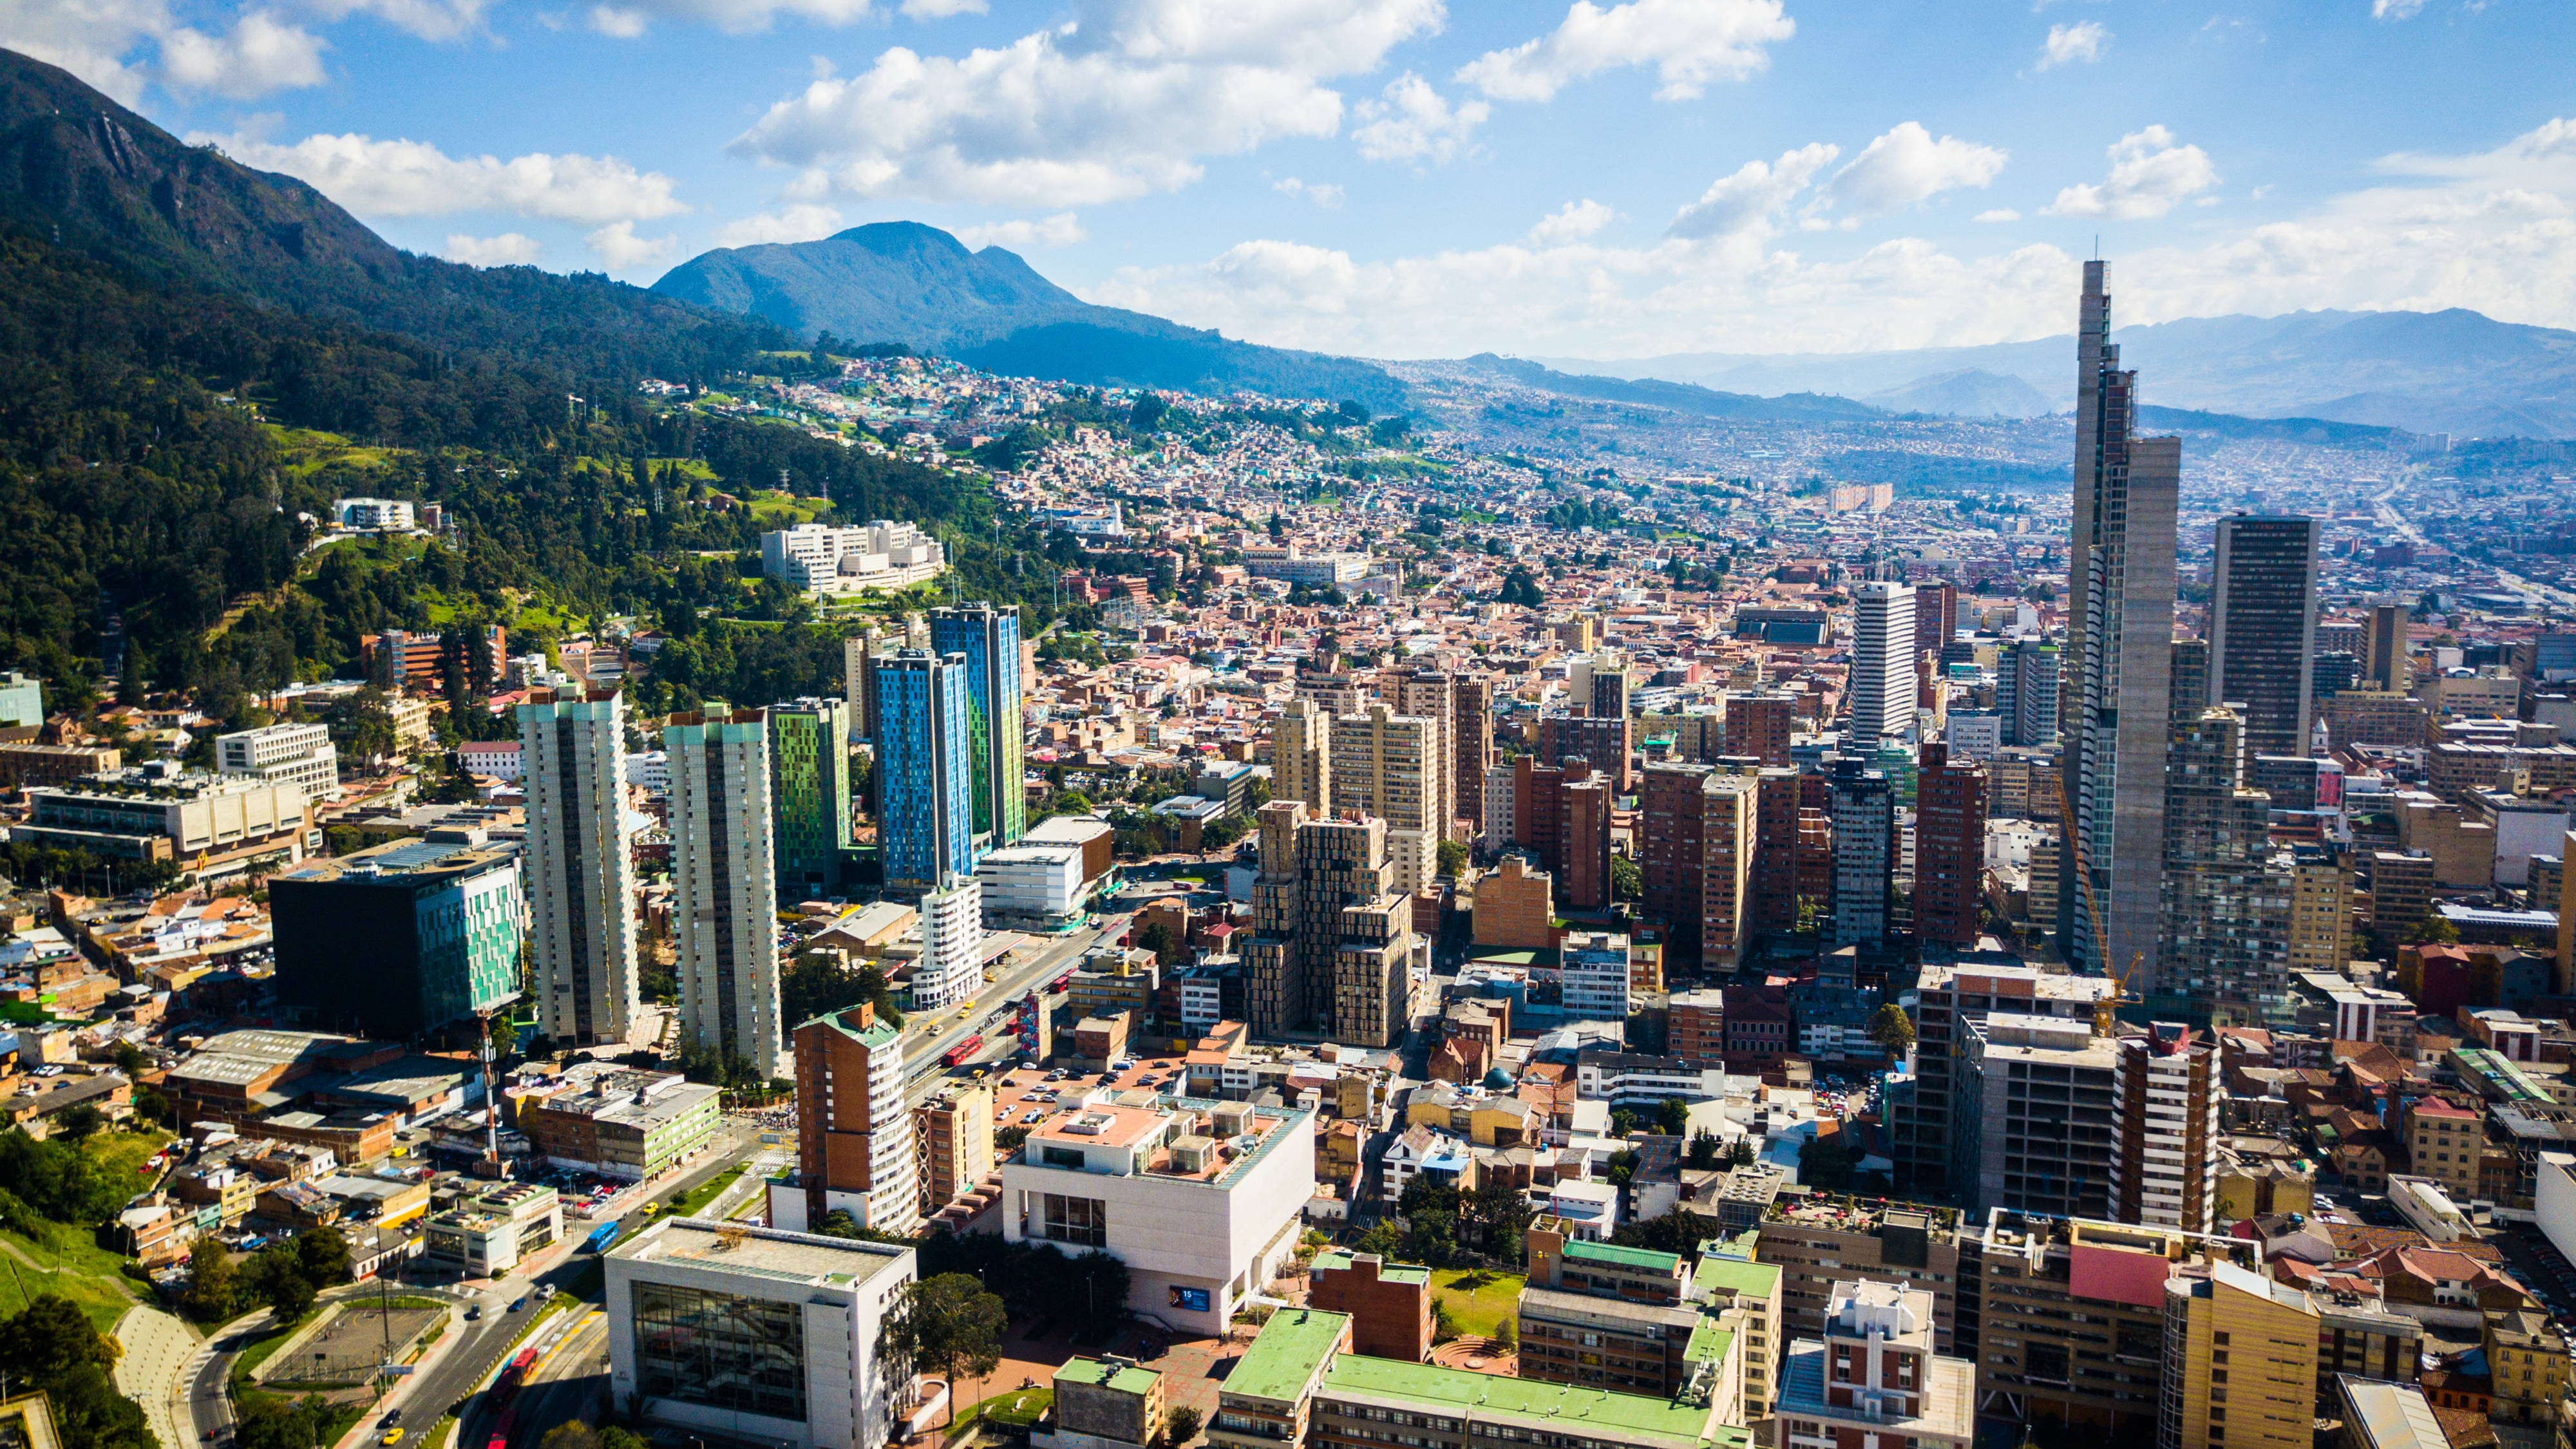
(1042, 958)
(570, 1381)
(2387, 516)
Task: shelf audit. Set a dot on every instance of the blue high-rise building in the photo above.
(925, 769)
(990, 640)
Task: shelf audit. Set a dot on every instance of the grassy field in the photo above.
(1019, 1407)
(1479, 1300)
(704, 1193)
(123, 1153)
(70, 1265)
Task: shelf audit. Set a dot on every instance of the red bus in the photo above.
(1062, 981)
(961, 1051)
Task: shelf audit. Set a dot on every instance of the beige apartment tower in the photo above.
(1301, 756)
(1388, 765)
(581, 878)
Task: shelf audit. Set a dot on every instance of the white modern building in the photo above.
(951, 968)
(495, 759)
(1594, 976)
(1038, 885)
(1498, 808)
(724, 898)
(1201, 1200)
(757, 1335)
(581, 878)
(301, 753)
(375, 515)
(826, 559)
(1882, 670)
(1974, 734)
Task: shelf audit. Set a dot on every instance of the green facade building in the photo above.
(809, 791)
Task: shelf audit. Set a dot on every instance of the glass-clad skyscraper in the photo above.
(809, 790)
(924, 768)
(989, 638)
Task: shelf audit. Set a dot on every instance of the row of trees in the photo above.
(285, 1276)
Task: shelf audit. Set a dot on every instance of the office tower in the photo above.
(1472, 746)
(2262, 627)
(1729, 834)
(2226, 908)
(2321, 909)
(1882, 670)
(2332, 672)
(1948, 1000)
(925, 771)
(2029, 1151)
(437, 923)
(1301, 755)
(1864, 819)
(1670, 862)
(2384, 663)
(2239, 1362)
(1603, 744)
(2026, 692)
(2165, 1095)
(302, 753)
(1759, 725)
(2120, 650)
(951, 969)
(1949, 848)
(1332, 948)
(1609, 696)
(1433, 696)
(724, 896)
(859, 655)
(2187, 685)
(854, 1143)
(1775, 849)
(581, 879)
(989, 640)
(954, 1136)
(1387, 765)
(809, 761)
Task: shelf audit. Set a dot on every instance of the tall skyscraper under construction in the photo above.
(2120, 571)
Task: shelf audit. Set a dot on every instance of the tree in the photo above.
(838, 1224)
(1383, 1239)
(51, 1346)
(1627, 882)
(1157, 938)
(1891, 1028)
(211, 1282)
(946, 1325)
(1703, 1150)
(1453, 858)
(1507, 1335)
(2433, 930)
(324, 1255)
(1672, 1116)
(1180, 1426)
(78, 1121)
(1444, 1321)
(1740, 1153)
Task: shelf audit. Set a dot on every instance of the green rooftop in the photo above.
(1557, 1406)
(1125, 1378)
(1283, 1359)
(879, 1035)
(1584, 1250)
(1338, 1261)
(1736, 1278)
(1708, 1342)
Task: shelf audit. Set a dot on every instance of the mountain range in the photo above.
(2453, 371)
(900, 281)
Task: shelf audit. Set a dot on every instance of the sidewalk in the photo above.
(159, 1351)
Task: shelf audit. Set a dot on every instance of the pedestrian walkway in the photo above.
(153, 1371)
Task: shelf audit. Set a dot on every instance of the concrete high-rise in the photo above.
(2239, 1362)
(854, 1136)
(2227, 892)
(2263, 627)
(1387, 765)
(1759, 725)
(951, 969)
(925, 770)
(1949, 848)
(1863, 811)
(988, 639)
(1301, 755)
(2032, 1151)
(2120, 654)
(1729, 835)
(581, 878)
(2384, 663)
(1472, 746)
(725, 890)
(1433, 695)
(1671, 863)
(859, 655)
(2165, 1095)
(1882, 670)
(809, 787)
(1332, 947)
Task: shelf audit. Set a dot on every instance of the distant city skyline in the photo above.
(1403, 178)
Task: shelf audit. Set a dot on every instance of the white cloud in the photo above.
(1906, 165)
(1689, 42)
(941, 9)
(787, 224)
(619, 246)
(1121, 103)
(2494, 231)
(509, 249)
(1744, 202)
(739, 17)
(1571, 222)
(2149, 173)
(261, 55)
(1322, 193)
(413, 178)
(2000, 213)
(1059, 230)
(1413, 123)
(2067, 44)
(427, 19)
(619, 24)
(2394, 9)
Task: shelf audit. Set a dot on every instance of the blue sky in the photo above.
(1412, 178)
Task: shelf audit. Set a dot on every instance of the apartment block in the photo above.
(954, 1130)
(2240, 1362)
(854, 1140)
(2166, 1092)
(1874, 1377)
(581, 876)
(725, 888)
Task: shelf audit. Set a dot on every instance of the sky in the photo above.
(1414, 178)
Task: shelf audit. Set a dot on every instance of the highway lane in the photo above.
(1042, 958)
(570, 1381)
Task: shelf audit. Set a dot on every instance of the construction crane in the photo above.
(2122, 993)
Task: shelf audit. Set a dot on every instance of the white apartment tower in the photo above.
(298, 752)
(2165, 1100)
(952, 945)
(725, 889)
(1882, 672)
(581, 879)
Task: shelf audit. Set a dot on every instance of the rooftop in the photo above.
(1554, 1406)
(1736, 1277)
(1125, 1378)
(1626, 1257)
(819, 1262)
(1283, 1359)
